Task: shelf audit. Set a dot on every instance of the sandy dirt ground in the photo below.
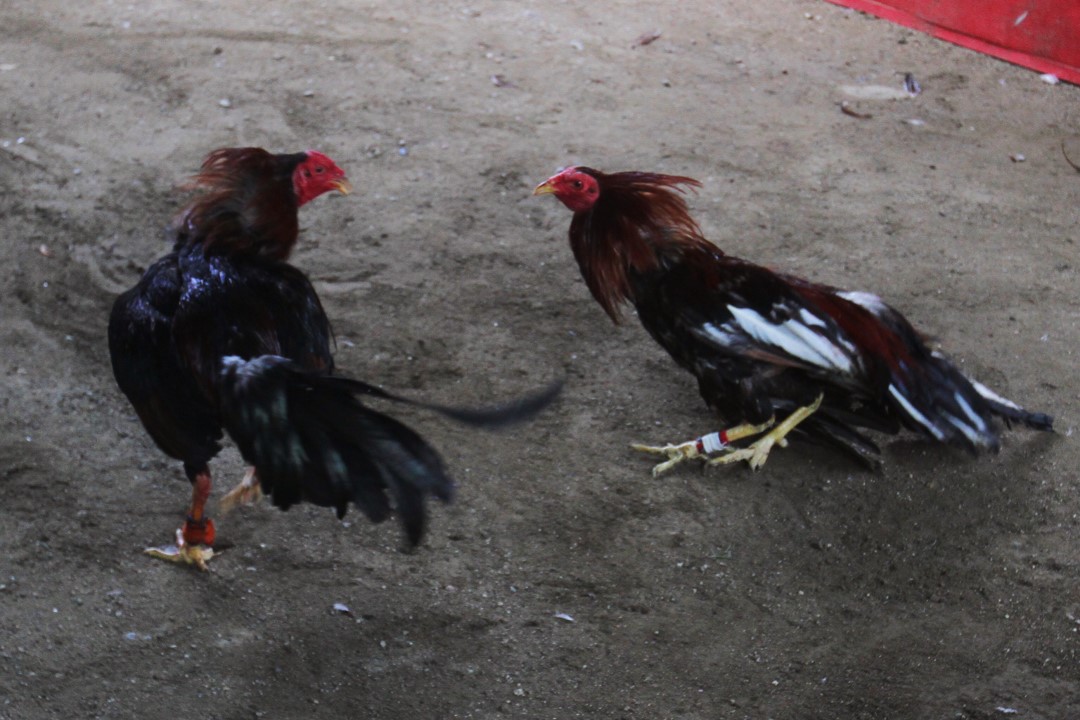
(565, 582)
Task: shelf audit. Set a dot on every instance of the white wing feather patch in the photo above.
(810, 318)
(719, 336)
(865, 300)
(795, 338)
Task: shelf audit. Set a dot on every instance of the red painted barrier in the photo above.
(1043, 35)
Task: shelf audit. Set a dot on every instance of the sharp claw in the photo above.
(733, 456)
(754, 455)
(248, 492)
(196, 555)
(663, 467)
(675, 454)
(181, 552)
(654, 449)
(165, 552)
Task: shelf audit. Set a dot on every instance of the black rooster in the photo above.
(222, 333)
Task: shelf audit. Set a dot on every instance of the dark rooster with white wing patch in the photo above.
(764, 345)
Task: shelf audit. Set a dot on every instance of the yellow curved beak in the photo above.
(544, 188)
(343, 186)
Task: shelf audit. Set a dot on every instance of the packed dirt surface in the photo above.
(565, 581)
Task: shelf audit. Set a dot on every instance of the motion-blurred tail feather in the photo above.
(312, 440)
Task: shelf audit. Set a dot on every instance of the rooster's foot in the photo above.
(248, 492)
(183, 552)
(701, 447)
(757, 452)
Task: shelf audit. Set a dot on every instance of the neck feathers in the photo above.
(247, 205)
(637, 219)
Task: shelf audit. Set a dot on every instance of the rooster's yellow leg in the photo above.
(758, 451)
(701, 447)
(246, 493)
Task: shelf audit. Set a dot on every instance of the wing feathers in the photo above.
(794, 337)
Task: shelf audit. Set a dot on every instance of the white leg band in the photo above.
(711, 443)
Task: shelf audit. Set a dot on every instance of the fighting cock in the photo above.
(763, 344)
(223, 334)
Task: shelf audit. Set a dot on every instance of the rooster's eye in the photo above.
(320, 170)
(577, 184)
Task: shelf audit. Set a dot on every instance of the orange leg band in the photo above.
(199, 529)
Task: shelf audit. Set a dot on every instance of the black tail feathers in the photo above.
(491, 418)
(312, 440)
(1010, 412)
(951, 407)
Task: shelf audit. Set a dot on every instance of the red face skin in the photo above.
(576, 190)
(317, 175)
